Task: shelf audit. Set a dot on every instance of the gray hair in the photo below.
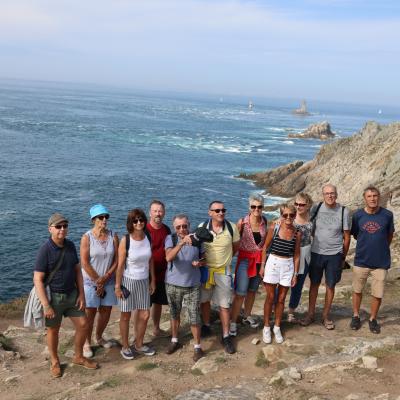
(256, 197)
(329, 185)
(180, 216)
(371, 188)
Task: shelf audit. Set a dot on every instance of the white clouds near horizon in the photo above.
(232, 47)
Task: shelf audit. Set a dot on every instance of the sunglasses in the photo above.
(101, 217)
(137, 221)
(61, 226)
(183, 226)
(300, 204)
(253, 207)
(219, 210)
(291, 216)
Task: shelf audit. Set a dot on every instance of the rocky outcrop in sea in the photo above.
(320, 130)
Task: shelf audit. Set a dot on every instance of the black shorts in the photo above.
(160, 295)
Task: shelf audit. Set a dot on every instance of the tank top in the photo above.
(283, 248)
(137, 259)
(248, 240)
(101, 255)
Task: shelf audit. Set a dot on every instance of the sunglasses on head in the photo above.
(219, 210)
(300, 204)
(183, 226)
(101, 217)
(59, 226)
(291, 216)
(253, 207)
(137, 221)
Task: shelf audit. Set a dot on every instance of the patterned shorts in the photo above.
(139, 299)
(190, 295)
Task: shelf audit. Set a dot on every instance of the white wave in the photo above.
(276, 129)
(317, 146)
(288, 141)
(262, 150)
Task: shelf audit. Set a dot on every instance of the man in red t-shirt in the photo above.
(158, 232)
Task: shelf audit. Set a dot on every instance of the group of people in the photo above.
(151, 266)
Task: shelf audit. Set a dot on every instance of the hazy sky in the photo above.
(314, 49)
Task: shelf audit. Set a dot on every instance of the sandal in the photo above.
(85, 363)
(308, 320)
(328, 324)
(55, 370)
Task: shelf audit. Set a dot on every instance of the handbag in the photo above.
(33, 314)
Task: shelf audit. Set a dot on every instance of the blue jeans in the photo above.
(295, 291)
(243, 283)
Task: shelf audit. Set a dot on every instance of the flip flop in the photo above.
(328, 324)
(308, 320)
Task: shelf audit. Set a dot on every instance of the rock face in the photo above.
(321, 130)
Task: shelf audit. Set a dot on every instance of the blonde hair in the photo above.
(285, 206)
(306, 197)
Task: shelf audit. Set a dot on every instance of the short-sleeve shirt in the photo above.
(219, 252)
(371, 232)
(328, 236)
(64, 280)
(180, 272)
(158, 251)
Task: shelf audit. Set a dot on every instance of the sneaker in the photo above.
(374, 327)
(173, 347)
(127, 354)
(233, 329)
(278, 335)
(104, 343)
(228, 345)
(145, 350)
(355, 323)
(197, 354)
(252, 322)
(267, 335)
(87, 351)
(206, 331)
(291, 318)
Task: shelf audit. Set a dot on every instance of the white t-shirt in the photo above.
(137, 260)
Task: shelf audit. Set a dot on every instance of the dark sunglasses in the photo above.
(101, 217)
(253, 207)
(137, 221)
(300, 204)
(59, 226)
(183, 226)
(291, 216)
(219, 210)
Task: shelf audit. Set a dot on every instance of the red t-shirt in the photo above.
(158, 250)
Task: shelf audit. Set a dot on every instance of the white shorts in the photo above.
(279, 270)
(220, 293)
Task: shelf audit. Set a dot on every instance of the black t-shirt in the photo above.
(64, 281)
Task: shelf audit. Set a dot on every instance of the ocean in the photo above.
(65, 147)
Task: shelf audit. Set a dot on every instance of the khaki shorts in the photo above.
(220, 293)
(360, 275)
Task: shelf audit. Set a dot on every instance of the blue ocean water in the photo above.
(66, 147)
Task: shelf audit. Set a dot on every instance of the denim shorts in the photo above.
(243, 283)
(331, 264)
(94, 301)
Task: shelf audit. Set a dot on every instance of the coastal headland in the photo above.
(312, 364)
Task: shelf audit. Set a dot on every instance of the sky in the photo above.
(337, 50)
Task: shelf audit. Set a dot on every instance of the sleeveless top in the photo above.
(283, 248)
(247, 241)
(137, 259)
(305, 230)
(101, 255)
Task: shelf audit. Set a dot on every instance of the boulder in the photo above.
(369, 362)
(321, 130)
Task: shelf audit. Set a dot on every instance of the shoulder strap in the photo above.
(148, 235)
(127, 243)
(167, 228)
(342, 218)
(174, 238)
(316, 212)
(57, 267)
(230, 228)
(241, 227)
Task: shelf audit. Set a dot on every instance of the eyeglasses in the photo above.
(183, 226)
(101, 217)
(61, 226)
(291, 216)
(219, 210)
(253, 207)
(137, 221)
(300, 204)
(329, 194)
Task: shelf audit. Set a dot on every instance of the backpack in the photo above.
(242, 227)
(314, 216)
(175, 240)
(207, 224)
(128, 242)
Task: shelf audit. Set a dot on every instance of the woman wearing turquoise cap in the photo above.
(99, 254)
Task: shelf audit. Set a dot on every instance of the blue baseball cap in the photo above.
(98, 209)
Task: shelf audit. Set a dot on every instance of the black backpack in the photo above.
(207, 224)
(174, 238)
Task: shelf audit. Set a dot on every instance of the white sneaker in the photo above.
(250, 321)
(267, 335)
(233, 329)
(278, 334)
(87, 351)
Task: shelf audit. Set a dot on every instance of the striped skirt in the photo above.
(139, 299)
